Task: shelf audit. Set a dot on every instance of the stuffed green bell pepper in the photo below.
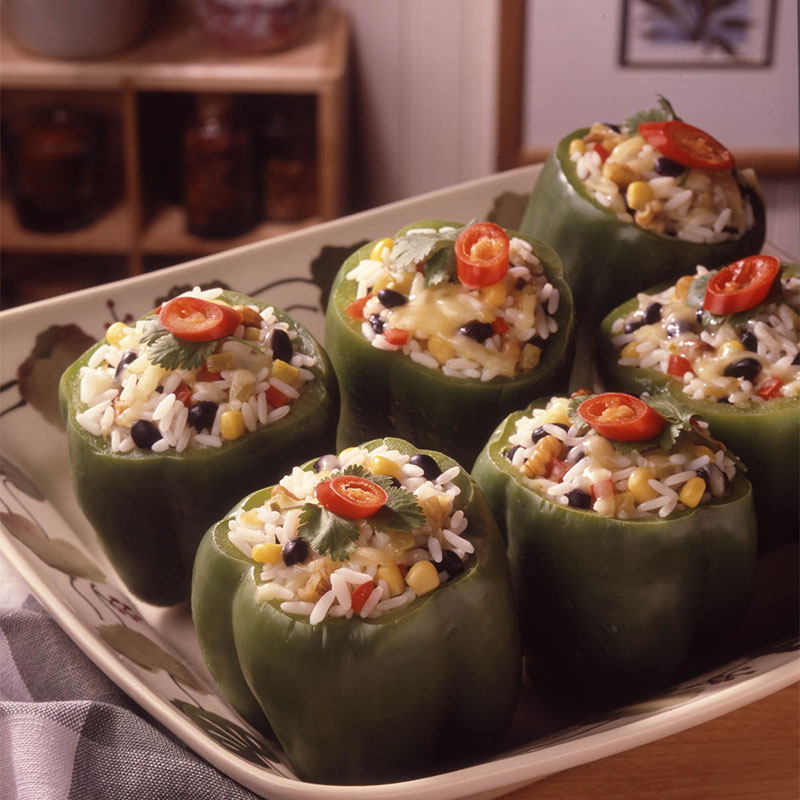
(724, 344)
(363, 607)
(170, 419)
(628, 206)
(437, 333)
(631, 538)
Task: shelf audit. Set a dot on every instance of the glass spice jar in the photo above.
(54, 159)
(218, 169)
(288, 160)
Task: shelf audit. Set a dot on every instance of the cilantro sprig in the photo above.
(664, 112)
(335, 536)
(436, 249)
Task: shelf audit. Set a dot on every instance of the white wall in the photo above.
(573, 79)
(424, 86)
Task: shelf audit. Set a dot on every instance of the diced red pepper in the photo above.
(184, 394)
(604, 488)
(556, 470)
(500, 326)
(678, 365)
(395, 336)
(360, 595)
(203, 374)
(356, 309)
(275, 397)
(770, 388)
(601, 151)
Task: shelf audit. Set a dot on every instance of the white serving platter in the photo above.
(152, 653)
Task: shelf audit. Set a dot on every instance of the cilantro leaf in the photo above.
(171, 352)
(411, 249)
(441, 267)
(328, 533)
(664, 113)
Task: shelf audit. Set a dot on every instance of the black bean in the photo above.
(450, 563)
(390, 298)
(144, 434)
(679, 326)
(575, 455)
(376, 323)
(295, 551)
(749, 339)
(747, 368)
(579, 499)
(477, 330)
(510, 453)
(127, 357)
(698, 315)
(202, 415)
(633, 325)
(430, 468)
(326, 463)
(666, 166)
(796, 360)
(540, 433)
(281, 345)
(652, 313)
(537, 341)
(717, 482)
(614, 127)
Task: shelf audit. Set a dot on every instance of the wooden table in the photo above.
(750, 754)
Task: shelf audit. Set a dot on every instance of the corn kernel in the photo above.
(682, 286)
(577, 146)
(267, 553)
(702, 450)
(231, 424)
(380, 465)
(692, 491)
(531, 355)
(495, 295)
(422, 577)
(393, 577)
(638, 484)
(730, 347)
(440, 349)
(377, 251)
(250, 518)
(347, 453)
(217, 362)
(621, 174)
(638, 195)
(383, 281)
(284, 372)
(116, 333)
(630, 351)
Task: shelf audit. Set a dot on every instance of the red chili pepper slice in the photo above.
(601, 151)
(500, 326)
(351, 496)
(687, 145)
(204, 374)
(770, 388)
(603, 488)
(678, 365)
(184, 394)
(482, 255)
(356, 309)
(622, 417)
(741, 285)
(360, 595)
(198, 320)
(396, 336)
(275, 397)
(556, 470)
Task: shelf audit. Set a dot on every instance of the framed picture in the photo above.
(697, 33)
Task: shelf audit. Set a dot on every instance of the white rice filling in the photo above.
(146, 391)
(523, 320)
(594, 463)
(319, 587)
(695, 206)
(773, 335)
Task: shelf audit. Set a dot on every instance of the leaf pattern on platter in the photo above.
(20, 480)
(327, 263)
(508, 209)
(57, 553)
(145, 653)
(38, 375)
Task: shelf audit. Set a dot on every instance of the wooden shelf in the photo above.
(177, 56)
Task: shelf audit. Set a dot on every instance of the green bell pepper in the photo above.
(367, 700)
(610, 609)
(384, 392)
(607, 260)
(766, 437)
(150, 509)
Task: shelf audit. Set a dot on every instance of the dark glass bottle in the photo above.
(54, 160)
(218, 169)
(288, 160)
